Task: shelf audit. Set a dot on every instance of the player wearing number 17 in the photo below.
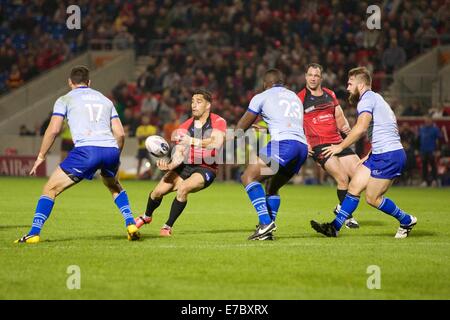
(99, 138)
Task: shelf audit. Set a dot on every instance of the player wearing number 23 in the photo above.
(283, 156)
(99, 138)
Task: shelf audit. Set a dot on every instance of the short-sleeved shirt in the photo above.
(89, 115)
(383, 130)
(320, 122)
(428, 136)
(144, 131)
(282, 110)
(203, 156)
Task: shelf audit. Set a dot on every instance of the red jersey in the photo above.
(202, 156)
(319, 122)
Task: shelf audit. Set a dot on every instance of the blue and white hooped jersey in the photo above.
(282, 110)
(383, 130)
(89, 115)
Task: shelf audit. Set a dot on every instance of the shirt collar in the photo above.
(364, 94)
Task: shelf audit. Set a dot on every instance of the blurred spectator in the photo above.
(122, 40)
(426, 34)
(428, 142)
(66, 141)
(409, 141)
(144, 130)
(45, 124)
(413, 110)
(436, 112)
(130, 122)
(25, 132)
(15, 79)
(170, 126)
(394, 57)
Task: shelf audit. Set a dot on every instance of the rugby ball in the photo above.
(157, 146)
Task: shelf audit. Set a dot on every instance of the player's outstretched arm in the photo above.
(246, 121)
(53, 129)
(118, 132)
(361, 126)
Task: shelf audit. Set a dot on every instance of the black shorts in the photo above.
(187, 170)
(321, 159)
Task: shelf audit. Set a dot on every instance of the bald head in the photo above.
(272, 77)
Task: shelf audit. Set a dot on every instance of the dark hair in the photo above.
(362, 73)
(205, 93)
(315, 66)
(79, 74)
(274, 76)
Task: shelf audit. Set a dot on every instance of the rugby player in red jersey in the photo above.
(191, 167)
(324, 121)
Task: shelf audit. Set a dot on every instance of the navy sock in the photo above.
(124, 206)
(273, 204)
(341, 195)
(43, 209)
(175, 211)
(257, 196)
(348, 206)
(389, 207)
(152, 205)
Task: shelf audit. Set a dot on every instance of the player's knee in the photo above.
(182, 190)
(342, 182)
(156, 194)
(115, 188)
(372, 200)
(355, 188)
(247, 177)
(113, 185)
(51, 191)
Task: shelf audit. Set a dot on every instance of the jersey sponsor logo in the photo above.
(75, 169)
(325, 117)
(310, 109)
(90, 97)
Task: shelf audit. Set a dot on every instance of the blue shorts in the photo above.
(289, 154)
(83, 162)
(388, 165)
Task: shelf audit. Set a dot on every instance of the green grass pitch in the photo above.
(208, 256)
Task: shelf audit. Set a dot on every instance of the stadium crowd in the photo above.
(223, 46)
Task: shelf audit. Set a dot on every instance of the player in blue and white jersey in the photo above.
(99, 138)
(385, 162)
(283, 156)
